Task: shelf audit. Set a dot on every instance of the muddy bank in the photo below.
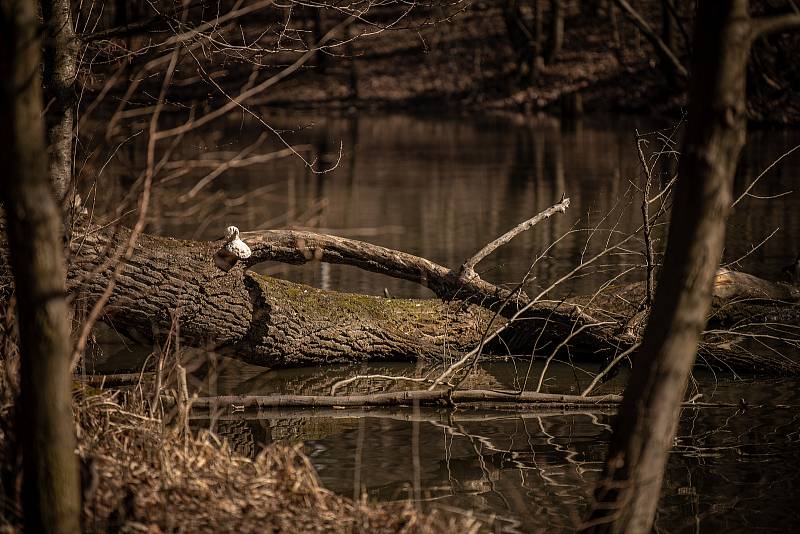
(469, 63)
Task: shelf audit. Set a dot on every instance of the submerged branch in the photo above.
(402, 398)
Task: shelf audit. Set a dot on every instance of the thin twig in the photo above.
(648, 242)
(765, 171)
(608, 368)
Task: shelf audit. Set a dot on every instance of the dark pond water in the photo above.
(731, 470)
(442, 188)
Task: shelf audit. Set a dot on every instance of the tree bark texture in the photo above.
(50, 466)
(60, 70)
(276, 323)
(628, 493)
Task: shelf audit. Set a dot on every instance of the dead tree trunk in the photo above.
(666, 55)
(276, 323)
(628, 492)
(556, 34)
(60, 70)
(669, 35)
(522, 37)
(50, 467)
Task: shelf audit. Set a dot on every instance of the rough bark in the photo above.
(275, 323)
(60, 70)
(50, 467)
(628, 493)
(669, 33)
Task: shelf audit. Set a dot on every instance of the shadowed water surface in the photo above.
(733, 469)
(442, 188)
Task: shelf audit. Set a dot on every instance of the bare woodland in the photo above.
(157, 74)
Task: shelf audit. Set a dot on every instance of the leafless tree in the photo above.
(628, 493)
(33, 227)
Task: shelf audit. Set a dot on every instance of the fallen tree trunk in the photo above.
(275, 323)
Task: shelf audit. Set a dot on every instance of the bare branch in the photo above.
(779, 23)
(770, 166)
(240, 99)
(646, 230)
(468, 269)
(562, 345)
(609, 367)
(298, 247)
(401, 398)
(660, 46)
(97, 309)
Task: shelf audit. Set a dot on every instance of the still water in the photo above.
(442, 188)
(731, 470)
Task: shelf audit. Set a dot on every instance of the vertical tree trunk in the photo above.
(50, 467)
(318, 32)
(614, 22)
(669, 35)
(349, 35)
(628, 493)
(120, 12)
(520, 37)
(668, 32)
(556, 36)
(60, 69)
(538, 32)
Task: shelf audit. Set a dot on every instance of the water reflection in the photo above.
(442, 188)
(732, 468)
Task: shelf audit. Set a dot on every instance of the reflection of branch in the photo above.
(430, 414)
(357, 378)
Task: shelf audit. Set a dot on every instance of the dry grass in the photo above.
(140, 474)
(148, 477)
